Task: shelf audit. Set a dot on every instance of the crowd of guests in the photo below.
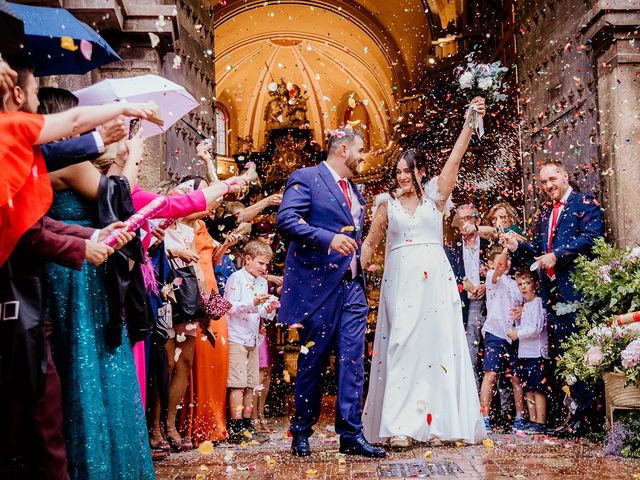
(116, 353)
(511, 288)
(106, 365)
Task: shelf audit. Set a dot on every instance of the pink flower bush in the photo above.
(594, 356)
(631, 355)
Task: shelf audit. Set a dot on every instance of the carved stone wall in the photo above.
(578, 64)
(183, 30)
(558, 93)
(194, 47)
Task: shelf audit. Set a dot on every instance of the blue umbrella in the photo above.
(44, 30)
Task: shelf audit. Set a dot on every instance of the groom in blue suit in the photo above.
(569, 227)
(322, 213)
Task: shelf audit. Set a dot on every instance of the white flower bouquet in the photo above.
(481, 80)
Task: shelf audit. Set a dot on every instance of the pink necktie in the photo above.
(345, 189)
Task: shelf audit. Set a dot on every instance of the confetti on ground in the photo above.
(206, 448)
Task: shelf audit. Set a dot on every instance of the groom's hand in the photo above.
(344, 245)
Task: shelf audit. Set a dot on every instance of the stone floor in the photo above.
(509, 456)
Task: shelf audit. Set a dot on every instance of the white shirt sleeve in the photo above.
(532, 321)
(99, 142)
(241, 300)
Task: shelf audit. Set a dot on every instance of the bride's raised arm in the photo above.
(376, 234)
(449, 175)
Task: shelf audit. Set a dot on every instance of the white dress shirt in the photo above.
(532, 332)
(244, 317)
(356, 210)
(564, 202)
(471, 258)
(180, 238)
(501, 298)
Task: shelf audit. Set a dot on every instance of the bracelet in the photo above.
(228, 186)
(477, 228)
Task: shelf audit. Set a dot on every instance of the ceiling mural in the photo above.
(364, 53)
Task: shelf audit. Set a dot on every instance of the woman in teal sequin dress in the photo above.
(104, 422)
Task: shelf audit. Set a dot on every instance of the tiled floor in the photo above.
(510, 457)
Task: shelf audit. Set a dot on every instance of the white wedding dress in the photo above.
(422, 383)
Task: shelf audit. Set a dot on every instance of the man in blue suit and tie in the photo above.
(569, 227)
(322, 213)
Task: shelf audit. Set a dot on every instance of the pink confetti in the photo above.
(86, 48)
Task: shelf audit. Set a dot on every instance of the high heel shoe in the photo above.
(178, 446)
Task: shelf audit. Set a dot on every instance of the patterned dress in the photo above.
(104, 422)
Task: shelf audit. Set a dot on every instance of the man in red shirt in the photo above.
(30, 406)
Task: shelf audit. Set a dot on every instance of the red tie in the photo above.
(345, 189)
(554, 223)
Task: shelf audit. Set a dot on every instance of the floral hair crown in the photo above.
(339, 132)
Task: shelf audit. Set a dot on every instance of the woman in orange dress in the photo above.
(206, 397)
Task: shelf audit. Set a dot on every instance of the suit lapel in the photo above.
(333, 187)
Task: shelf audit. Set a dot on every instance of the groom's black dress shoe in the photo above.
(300, 446)
(361, 447)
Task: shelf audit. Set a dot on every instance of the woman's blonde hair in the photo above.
(511, 212)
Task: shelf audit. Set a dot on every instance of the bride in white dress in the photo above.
(421, 385)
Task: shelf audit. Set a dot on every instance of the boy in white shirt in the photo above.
(247, 292)
(533, 351)
(500, 353)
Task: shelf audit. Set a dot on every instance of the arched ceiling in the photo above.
(373, 51)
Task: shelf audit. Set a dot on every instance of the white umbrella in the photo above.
(173, 99)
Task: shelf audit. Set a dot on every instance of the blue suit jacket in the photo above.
(61, 154)
(313, 211)
(456, 259)
(580, 223)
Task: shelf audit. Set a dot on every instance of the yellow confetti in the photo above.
(488, 443)
(247, 434)
(566, 390)
(348, 228)
(310, 472)
(459, 444)
(310, 344)
(428, 454)
(200, 476)
(239, 408)
(286, 376)
(68, 44)
(352, 102)
(206, 448)
(204, 468)
(271, 463)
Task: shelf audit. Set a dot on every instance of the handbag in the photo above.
(214, 307)
(188, 307)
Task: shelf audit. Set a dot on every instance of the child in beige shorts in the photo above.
(247, 292)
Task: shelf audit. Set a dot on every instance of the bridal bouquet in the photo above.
(481, 80)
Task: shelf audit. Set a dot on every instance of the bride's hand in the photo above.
(477, 105)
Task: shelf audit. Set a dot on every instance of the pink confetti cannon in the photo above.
(135, 221)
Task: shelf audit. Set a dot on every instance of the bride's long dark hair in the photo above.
(415, 161)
